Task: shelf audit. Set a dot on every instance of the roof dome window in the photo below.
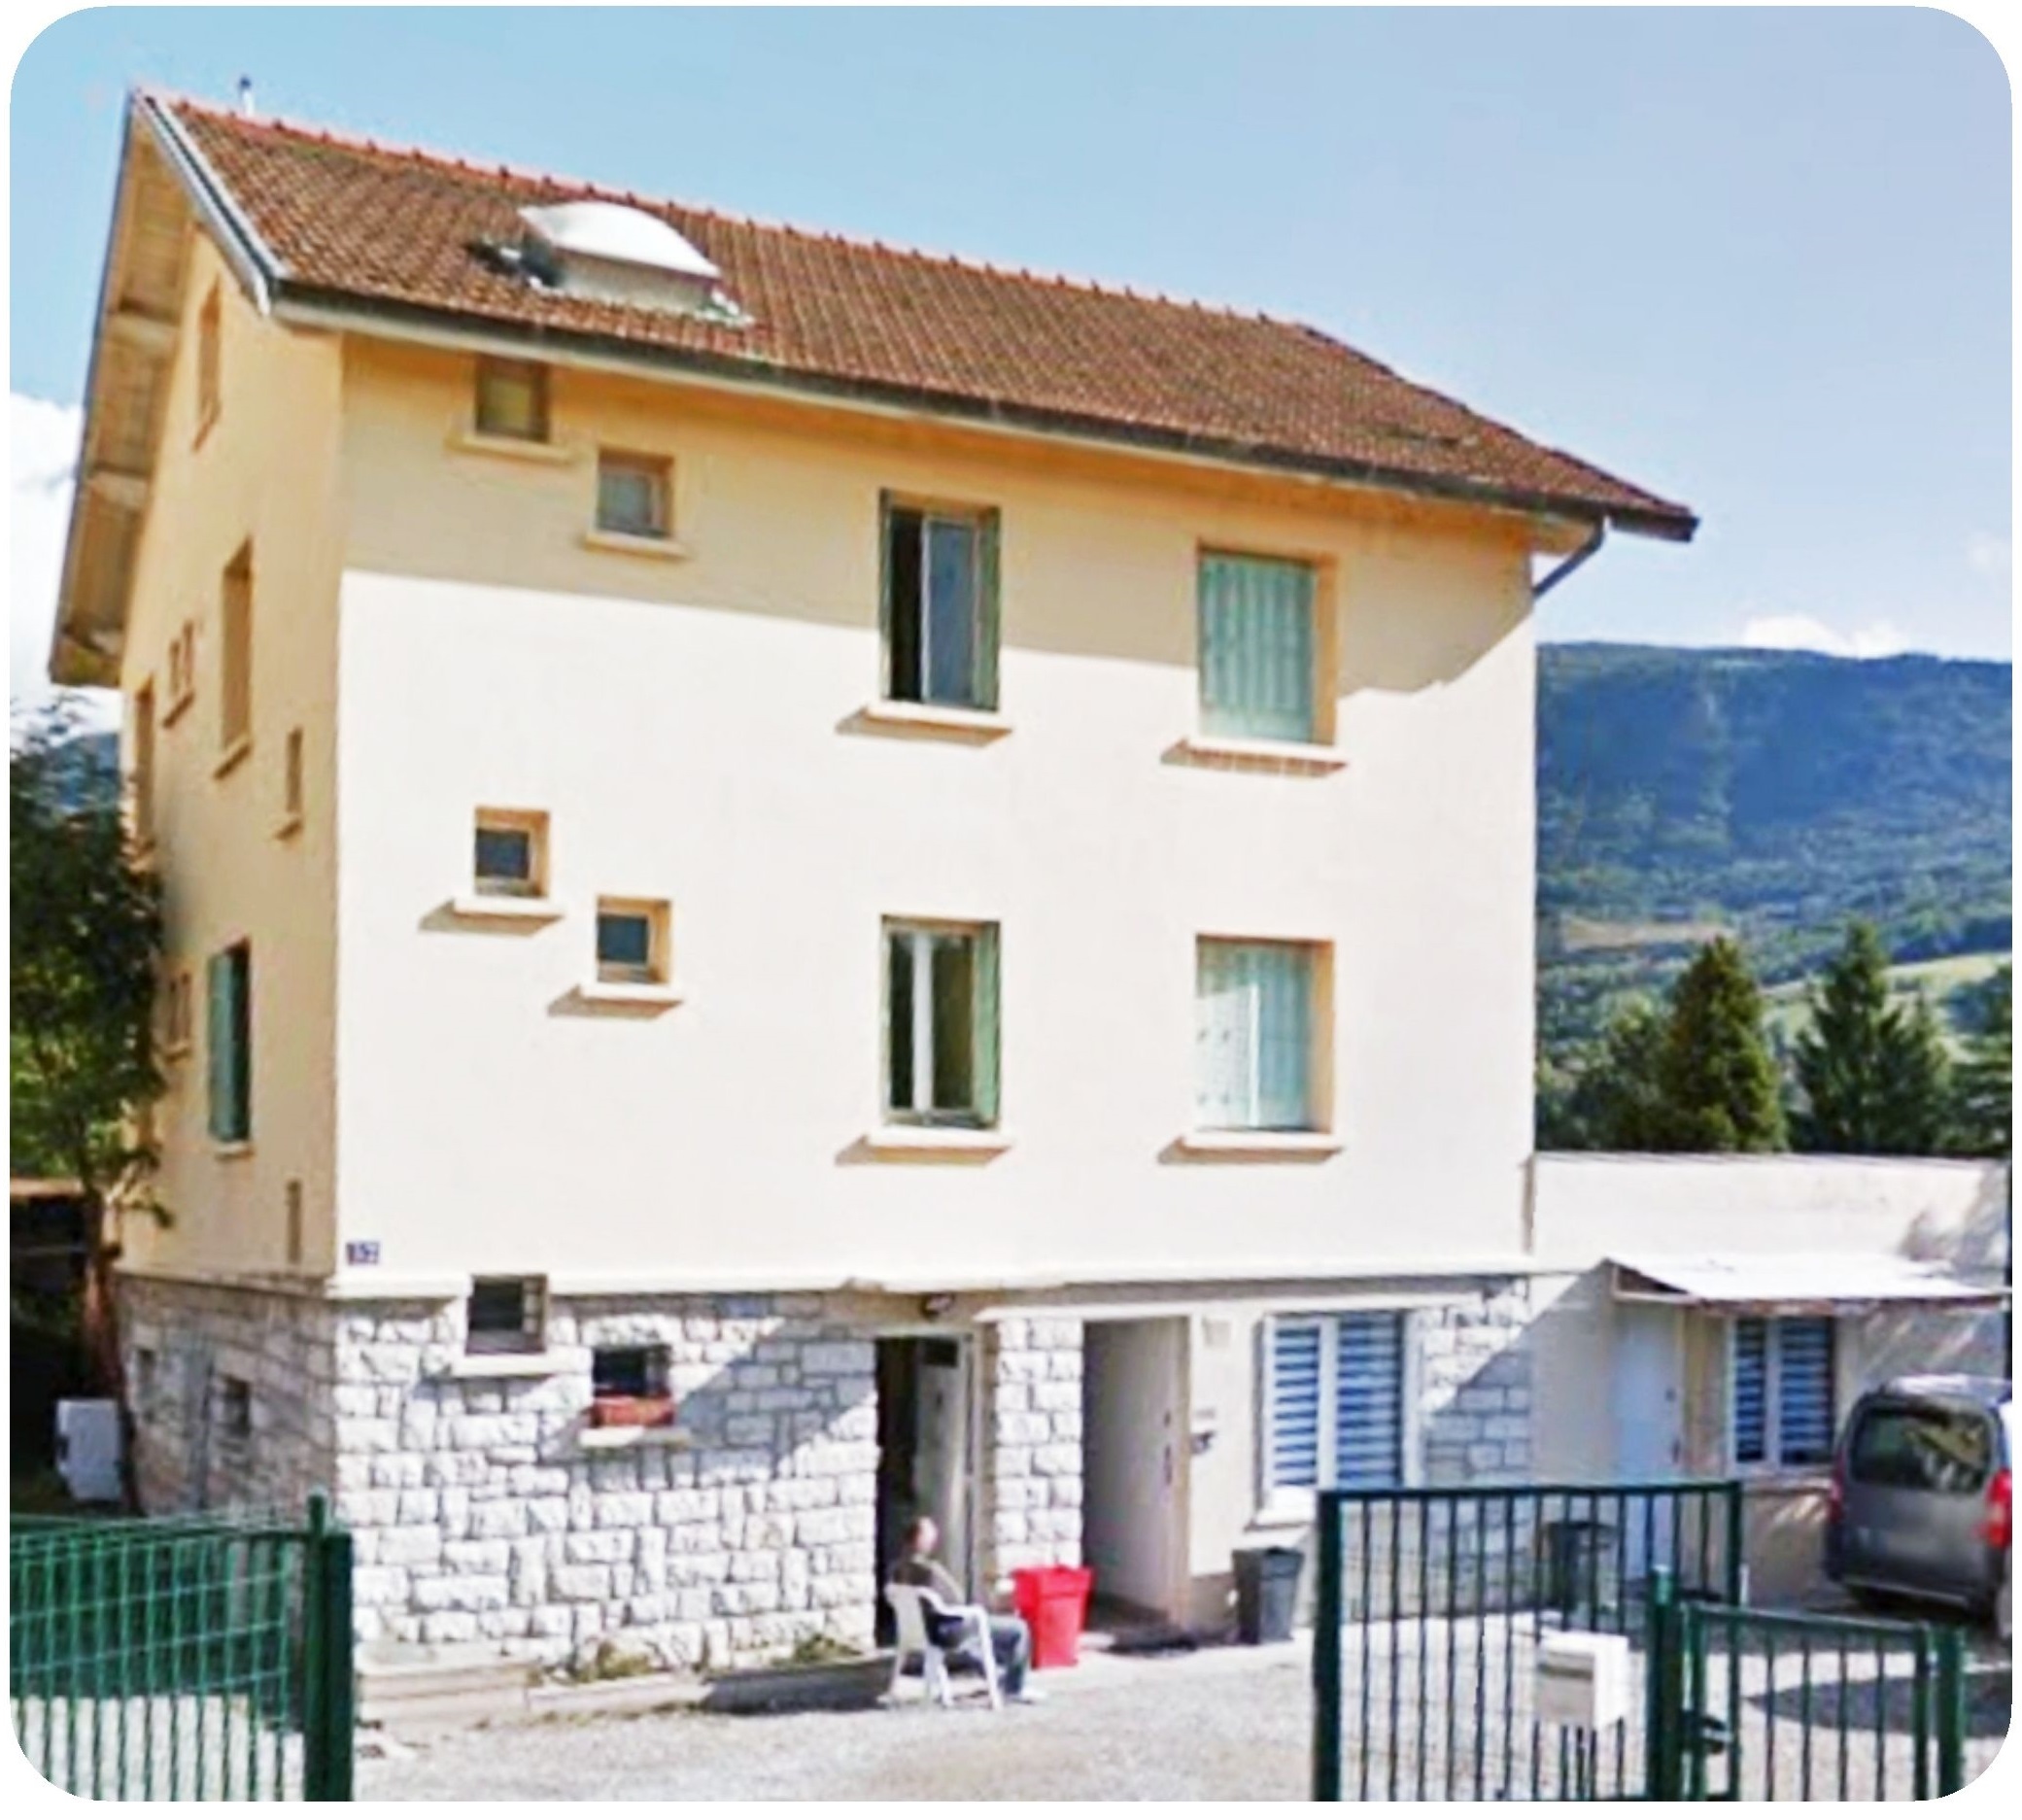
(617, 254)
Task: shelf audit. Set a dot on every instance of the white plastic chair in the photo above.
(920, 1614)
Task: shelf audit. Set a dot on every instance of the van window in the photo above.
(1922, 1448)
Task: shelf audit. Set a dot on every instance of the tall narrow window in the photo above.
(941, 1021)
(292, 779)
(210, 360)
(230, 1038)
(941, 606)
(1258, 648)
(235, 669)
(293, 1218)
(512, 400)
(1255, 1020)
(632, 495)
(144, 765)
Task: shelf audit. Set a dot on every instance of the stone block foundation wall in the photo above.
(1474, 1386)
(1032, 1458)
(482, 1506)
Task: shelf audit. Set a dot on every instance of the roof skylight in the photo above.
(619, 254)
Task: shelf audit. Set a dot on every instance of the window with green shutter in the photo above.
(941, 1021)
(229, 1034)
(940, 609)
(1254, 1020)
(1259, 648)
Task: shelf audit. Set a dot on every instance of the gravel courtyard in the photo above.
(1224, 1725)
(1219, 1724)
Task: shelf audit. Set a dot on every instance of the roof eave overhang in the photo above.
(85, 649)
(328, 308)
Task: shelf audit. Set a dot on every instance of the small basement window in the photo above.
(511, 854)
(506, 1315)
(235, 1409)
(512, 400)
(632, 942)
(630, 1386)
(632, 493)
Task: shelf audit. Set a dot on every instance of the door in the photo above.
(1132, 1389)
(1647, 1396)
(925, 1447)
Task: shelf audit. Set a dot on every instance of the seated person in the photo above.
(1010, 1642)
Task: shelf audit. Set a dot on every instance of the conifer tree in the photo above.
(1986, 1077)
(1718, 1081)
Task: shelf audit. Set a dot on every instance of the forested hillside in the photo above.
(1772, 794)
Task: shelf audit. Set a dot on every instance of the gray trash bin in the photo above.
(1267, 1589)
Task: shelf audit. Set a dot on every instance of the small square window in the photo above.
(632, 493)
(630, 1386)
(506, 1315)
(510, 854)
(512, 400)
(632, 942)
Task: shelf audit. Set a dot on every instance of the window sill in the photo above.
(936, 1141)
(612, 1440)
(626, 995)
(933, 717)
(232, 1151)
(481, 908)
(233, 756)
(624, 543)
(177, 709)
(506, 1366)
(288, 826)
(514, 448)
(1282, 755)
(1261, 1146)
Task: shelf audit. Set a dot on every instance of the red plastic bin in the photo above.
(1053, 1602)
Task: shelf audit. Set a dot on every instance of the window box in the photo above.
(632, 1412)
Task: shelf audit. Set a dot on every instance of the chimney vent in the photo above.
(246, 96)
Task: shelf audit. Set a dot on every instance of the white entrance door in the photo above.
(1649, 1420)
(1132, 1433)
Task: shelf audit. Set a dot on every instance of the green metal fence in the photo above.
(201, 1658)
(1777, 1705)
(1430, 1607)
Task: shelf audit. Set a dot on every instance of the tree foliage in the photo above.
(1717, 1077)
(1614, 1103)
(83, 964)
(1985, 1098)
(1872, 1078)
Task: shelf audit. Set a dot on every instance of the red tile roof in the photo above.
(350, 221)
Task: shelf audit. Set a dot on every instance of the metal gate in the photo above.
(1433, 1607)
(184, 1659)
(1773, 1706)
(1432, 1604)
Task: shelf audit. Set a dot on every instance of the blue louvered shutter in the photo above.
(1804, 1391)
(1257, 648)
(1368, 1399)
(1294, 1452)
(1751, 1390)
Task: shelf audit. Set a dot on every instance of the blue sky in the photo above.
(1757, 261)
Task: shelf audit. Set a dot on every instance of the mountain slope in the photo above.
(1772, 792)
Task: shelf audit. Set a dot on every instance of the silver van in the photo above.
(1923, 1495)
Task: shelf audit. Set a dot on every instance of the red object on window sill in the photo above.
(632, 1412)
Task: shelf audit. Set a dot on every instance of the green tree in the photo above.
(1717, 1081)
(1985, 1101)
(86, 956)
(1873, 1079)
(1616, 1100)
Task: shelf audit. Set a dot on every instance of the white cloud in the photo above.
(45, 441)
(1990, 556)
(1799, 631)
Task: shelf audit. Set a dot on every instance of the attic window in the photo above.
(617, 254)
(512, 400)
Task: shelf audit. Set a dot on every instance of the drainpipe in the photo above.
(1593, 544)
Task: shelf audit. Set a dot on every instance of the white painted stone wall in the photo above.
(1032, 1458)
(1475, 1386)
